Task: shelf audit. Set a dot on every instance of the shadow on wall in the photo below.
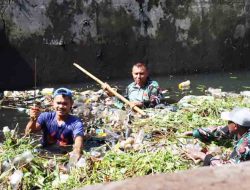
(15, 73)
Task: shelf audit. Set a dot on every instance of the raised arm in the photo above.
(32, 125)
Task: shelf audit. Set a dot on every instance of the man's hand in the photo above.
(188, 133)
(195, 154)
(34, 113)
(106, 88)
(74, 156)
(32, 125)
(138, 104)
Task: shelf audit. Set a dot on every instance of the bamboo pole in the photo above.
(137, 109)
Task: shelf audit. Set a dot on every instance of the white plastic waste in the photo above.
(25, 157)
(15, 179)
(139, 138)
(6, 130)
(81, 163)
(47, 91)
(5, 166)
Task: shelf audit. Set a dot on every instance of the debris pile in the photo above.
(118, 143)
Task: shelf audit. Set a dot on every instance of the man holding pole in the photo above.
(143, 92)
(111, 91)
(59, 127)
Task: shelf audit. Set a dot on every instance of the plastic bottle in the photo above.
(112, 134)
(184, 85)
(27, 156)
(81, 163)
(23, 158)
(15, 179)
(5, 166)
(128, 132)
(72, 160)
(140, 137)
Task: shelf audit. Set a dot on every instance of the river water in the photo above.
(228, 81)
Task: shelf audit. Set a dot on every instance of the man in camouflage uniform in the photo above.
(238, 130)
(143, 92)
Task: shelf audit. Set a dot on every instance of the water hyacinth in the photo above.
(139, 146)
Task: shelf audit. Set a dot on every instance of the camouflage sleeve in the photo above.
(155, 95)
(212, 133)
(242, 150)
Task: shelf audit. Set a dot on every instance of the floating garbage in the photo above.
(120, 144)
(61, 179)
(6, 130)
(23, 158)
(15, 179)
(47, 91)
(245, 93)
(184, 85)
(5, 166)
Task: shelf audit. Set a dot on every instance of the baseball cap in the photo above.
(240, 116)
(62, 91)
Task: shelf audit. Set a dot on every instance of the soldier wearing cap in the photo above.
(58, 126)
(238, 129)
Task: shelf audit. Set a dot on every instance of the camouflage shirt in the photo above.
(241, 150)
(149, 95)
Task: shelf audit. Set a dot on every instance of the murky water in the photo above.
(228, 81)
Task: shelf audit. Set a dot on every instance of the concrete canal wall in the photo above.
(228, 177)
(108, 36)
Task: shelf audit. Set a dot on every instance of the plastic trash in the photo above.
(100, 133)
(139, 138)
(5, 166)
(112, 134)
(128, 132)
(6, 130)
(15, 179)
(7, 93)
(81, 163)
(72, 160)
(245, 93)
(95, 154)
(184, 85)
(62, 178)
(25, 157)
(47, 91)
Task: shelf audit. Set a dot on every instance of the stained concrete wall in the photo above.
(230, 177)
(108, 36)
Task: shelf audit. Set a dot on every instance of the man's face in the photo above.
(140, 75)
(232, 127)
(62, 105)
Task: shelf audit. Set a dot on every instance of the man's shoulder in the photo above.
(131, 85)
(153, 83)
(47, 115)
(75, 120)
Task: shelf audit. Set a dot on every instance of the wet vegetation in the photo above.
(119, 144)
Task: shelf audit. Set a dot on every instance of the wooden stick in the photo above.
(111, 90)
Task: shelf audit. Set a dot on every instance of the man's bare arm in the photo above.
(78, 145)
(32, 126)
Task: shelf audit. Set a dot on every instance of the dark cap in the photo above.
(63, 91)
